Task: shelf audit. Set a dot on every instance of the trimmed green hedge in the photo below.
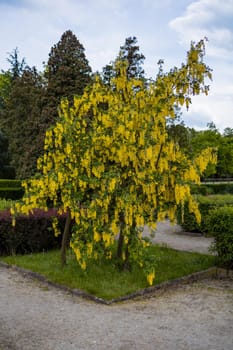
(11, 193)
(206, 203)
(213, 188)
(220, 222)
(11, 189)
(6, 183)
(31, 233)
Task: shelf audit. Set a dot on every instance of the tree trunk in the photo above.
(65, 238)
(127, 253)
(121, 237)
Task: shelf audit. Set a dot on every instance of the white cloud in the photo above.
(211, 19)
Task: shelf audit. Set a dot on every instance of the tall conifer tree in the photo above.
(67, 74)
(129, 52)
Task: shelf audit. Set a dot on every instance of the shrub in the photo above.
(220, 225)
(5, 204)
(213, 188)
(11, 189)
(203, 190)
(10, 183)
(11, 193)
(206, 203)
(31, 233)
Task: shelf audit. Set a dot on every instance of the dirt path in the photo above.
(197, 316)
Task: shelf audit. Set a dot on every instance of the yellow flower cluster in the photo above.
(150, 278)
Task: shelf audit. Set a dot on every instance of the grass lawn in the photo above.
(103, 279)
(5, 203)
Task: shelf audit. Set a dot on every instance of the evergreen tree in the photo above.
(6, 171)
(5, 86)
(17, 67)
(23, 127)
(67, 74)
(128, 52)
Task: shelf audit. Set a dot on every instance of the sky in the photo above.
(164, 30)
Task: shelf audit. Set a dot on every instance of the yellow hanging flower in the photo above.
(150, 278)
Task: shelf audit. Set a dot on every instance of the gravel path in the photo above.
(196, 316)
(173, 236)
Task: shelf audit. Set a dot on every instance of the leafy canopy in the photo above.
(118, 171)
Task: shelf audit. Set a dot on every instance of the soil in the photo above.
(196, 316)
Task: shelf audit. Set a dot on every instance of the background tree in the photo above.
(120, 171)
(224, 168)
(228, 132)
(16, 66)
(67, 74)
(6, 80)
(6, 171)
(179, 132)
(129, 52)
(5, 86)
(29, 100)
(199, 140)
(22, 121)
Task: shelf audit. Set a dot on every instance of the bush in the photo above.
(220, 225)
(11, 189)
(5, 204)
(31, 233)
(10, 183)
(11, 193)
(206, 204)
(213, 188)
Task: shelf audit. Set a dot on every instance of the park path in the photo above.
(173, 236)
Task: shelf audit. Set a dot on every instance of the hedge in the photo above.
(206, 203)
(213, 188)
(11, 189)
(31, 233)
(10, 183)
(11, 193)
(220, 224)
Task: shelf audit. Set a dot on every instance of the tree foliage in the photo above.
(16, 66)
(224, 167)
(119, 171)
(67, 74)
(223, 143)
(6, 171)
(5, 86)
(21, 121)
(129, 52)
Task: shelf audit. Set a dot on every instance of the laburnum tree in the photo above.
(119, 171)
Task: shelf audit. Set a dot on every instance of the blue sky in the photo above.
(164, 29)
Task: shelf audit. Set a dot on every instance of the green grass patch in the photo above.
(103, 279)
